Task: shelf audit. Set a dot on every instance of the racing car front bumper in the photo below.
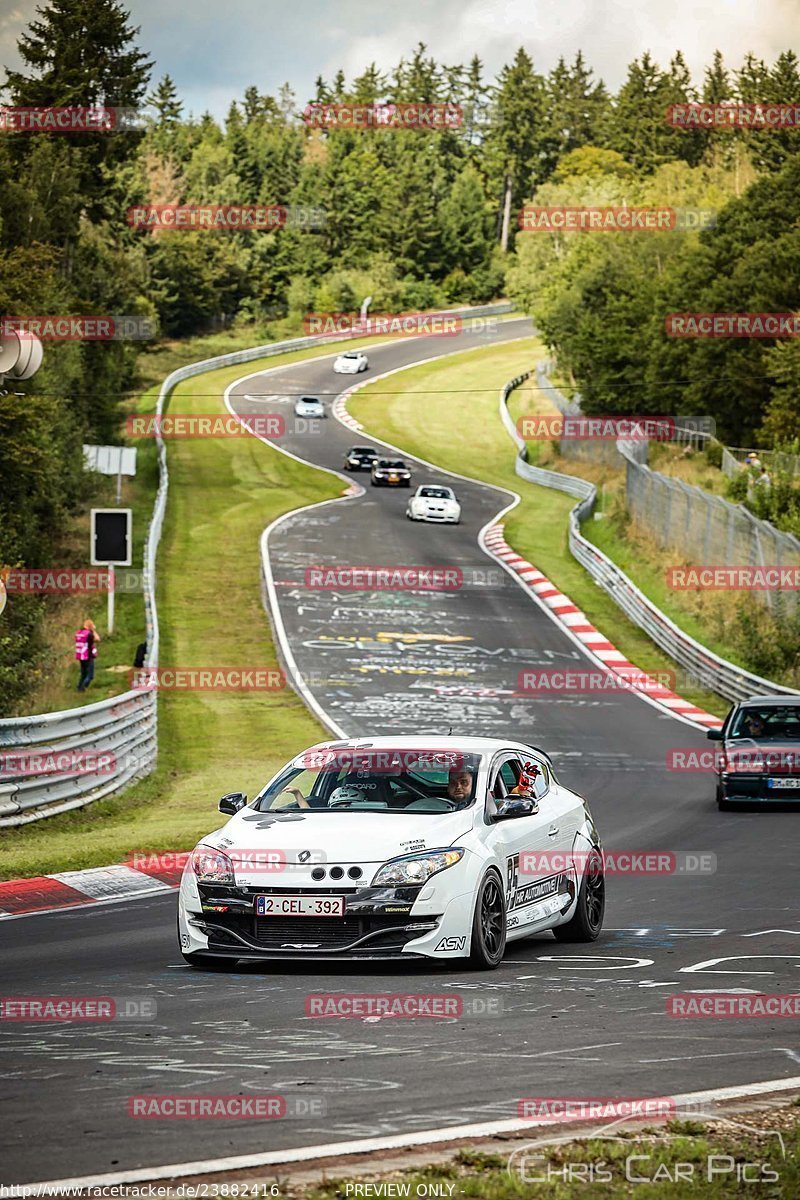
(377, 924)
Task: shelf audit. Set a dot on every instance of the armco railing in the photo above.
(705, 667)
(120, 733)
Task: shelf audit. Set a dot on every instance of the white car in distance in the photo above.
(308, 406)
(433, 503)
(351, 363)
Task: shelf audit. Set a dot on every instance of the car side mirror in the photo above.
(714, 735)
(515, 806)
(231, 803)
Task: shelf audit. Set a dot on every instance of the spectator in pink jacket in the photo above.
(87, 640)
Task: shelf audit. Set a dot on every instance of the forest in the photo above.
(416, 218)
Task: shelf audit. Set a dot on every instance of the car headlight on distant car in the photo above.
(416, 868)
(211, 866)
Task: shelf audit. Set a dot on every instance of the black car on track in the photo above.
(390, 472)
(758, 760)
(360, 458)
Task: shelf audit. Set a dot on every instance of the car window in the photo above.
(770, 723)
(509, 773)
(412, 781)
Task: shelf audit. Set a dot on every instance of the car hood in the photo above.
(335, 837)
(770, 751)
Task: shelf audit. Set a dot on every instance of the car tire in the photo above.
(723, 804)
(208, 962)
(488, 942)
(586, 924)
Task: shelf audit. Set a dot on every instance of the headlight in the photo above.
(212, 866)
(415, 868)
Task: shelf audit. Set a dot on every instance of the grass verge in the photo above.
(447, 412)
(711, 1159)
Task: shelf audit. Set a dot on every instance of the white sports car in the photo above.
(309, 406)
(437, 848)
(351, 363)
(434, 504)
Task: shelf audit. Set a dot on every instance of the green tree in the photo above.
(78, 53)
(781, 423)
(515, 146)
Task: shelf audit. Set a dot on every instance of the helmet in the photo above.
(342, 797)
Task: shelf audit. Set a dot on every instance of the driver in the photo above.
(753, 725)
(459, 783)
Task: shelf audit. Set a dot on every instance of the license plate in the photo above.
(300, 906)
(783, 783)
(393, 478)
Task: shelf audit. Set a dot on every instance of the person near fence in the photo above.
(86, 642)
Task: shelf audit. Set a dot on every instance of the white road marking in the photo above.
(711, 962)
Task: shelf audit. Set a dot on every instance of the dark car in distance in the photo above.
(390, 472)
(758, 761)
(360, 458)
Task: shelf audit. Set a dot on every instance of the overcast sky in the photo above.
(214, 49)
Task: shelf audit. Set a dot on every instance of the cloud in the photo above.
(214, 50)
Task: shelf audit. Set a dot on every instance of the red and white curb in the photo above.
(593, 641)
(339, 411)
(96, 885)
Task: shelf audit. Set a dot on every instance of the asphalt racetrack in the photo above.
(576, 1020)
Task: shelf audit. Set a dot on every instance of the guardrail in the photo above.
(38, 779)
(708, 669)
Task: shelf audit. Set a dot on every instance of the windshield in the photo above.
(362, 450)
(767, 724)
(399, 781)
(395, 464)
(435, 493)
(310, 400)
